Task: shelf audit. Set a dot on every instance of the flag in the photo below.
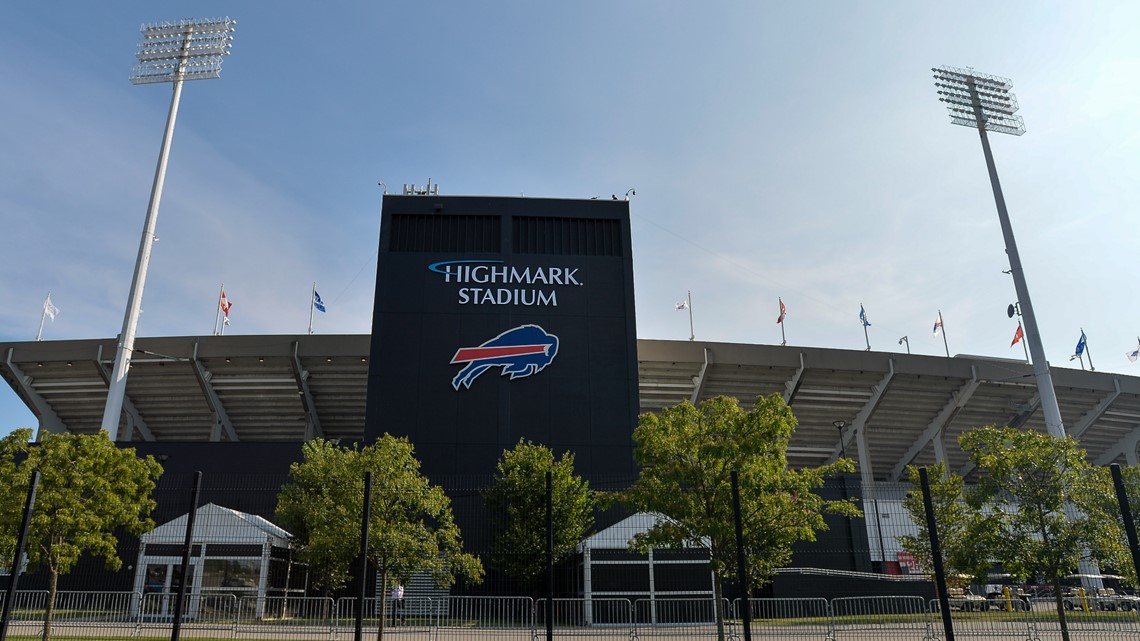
(1134, 354)
(783, 312)
(225, 304)
(49, 309)
(1080, 347)
(1017, 336)
(683, 305)
(863, 317)
(225, 320)
(317, 302)
(937, 326)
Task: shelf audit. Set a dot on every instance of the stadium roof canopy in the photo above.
(900, 409)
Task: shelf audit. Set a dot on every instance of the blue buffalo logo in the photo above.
(521, 351)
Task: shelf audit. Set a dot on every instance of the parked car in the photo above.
(1103, 598)
(1004, 590)
(965, 600)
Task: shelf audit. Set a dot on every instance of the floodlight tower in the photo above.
(171, 52)
(984, 102)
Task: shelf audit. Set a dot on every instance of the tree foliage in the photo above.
(89, 488)
(962, 553)
(13, 490)
(1039, 503)
(411, 527)
(517, 505)
(687, 455)
(1112, 549)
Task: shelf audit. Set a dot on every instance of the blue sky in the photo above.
(777, 149)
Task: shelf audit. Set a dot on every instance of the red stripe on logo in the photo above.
(466, 354)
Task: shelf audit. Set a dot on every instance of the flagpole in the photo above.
(1087, 350)
(218, 311)
(943, 326)
(1024, 344)
(783, 337)
(43, 316)
(863, 320)
(312, 299)
(689, 300)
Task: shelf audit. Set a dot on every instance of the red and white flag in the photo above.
(783, 312)
(1017, 336)
(225, 304)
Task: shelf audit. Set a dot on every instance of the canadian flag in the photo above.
(225, 304)
(783, 312)
(1017, 336)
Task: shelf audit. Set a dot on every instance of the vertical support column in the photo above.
(549, 556)
(1125, 513)
(187, 548)
(21, 543)
(366, 512)
(741, 558)
(936, 555)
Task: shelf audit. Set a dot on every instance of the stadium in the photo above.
(459, 276)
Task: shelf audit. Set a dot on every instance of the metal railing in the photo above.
(127, 615)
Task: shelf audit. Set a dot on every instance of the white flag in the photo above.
(1134, 354)
(682, 305)
(49, 309)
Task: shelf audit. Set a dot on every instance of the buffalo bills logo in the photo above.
(521, 351)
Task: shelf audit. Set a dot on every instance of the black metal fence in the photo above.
(229, 569)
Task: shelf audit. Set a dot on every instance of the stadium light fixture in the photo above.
(171, 52)
(840, 425)
(985, 103)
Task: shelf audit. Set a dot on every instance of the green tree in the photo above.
(1038, 503)
(687, 455)
(1112, 548)
(962, 553)
(411, 527)
(13, 491)
(89, 487)
(517, 503)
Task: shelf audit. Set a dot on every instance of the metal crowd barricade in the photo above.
(468, 617)
(27, 615)
(994, 619)
(683, 617)
(1099, 621)
(417, 620)
(880, 617)
(109, 612)
(789, 618)
(294, 616)
(200, 611)
(596, 618)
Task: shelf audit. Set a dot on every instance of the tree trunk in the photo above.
(383, 598)
(1060, 608)
(717, 592)
(49, 611)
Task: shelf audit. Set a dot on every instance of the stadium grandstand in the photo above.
(895, 409)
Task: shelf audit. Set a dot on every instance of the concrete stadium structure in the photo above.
(900, 409)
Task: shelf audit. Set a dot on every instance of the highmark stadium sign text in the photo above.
(491, 282)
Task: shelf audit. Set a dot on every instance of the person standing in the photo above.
(397, 602)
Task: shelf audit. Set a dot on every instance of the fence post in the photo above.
(1125, 513)
(176, 631)
(549, 556)
(21, 543)
(358, 632)
(936, 553)
(741, 558)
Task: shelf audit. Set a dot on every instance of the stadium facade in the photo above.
(497, 319)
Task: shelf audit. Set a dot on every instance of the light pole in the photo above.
(169, 52)
(906, 340)
(985, 102)
(839, 425)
